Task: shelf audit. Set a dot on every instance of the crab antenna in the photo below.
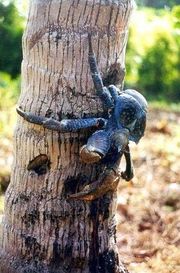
(98, 83)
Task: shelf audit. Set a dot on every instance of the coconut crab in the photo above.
(126, 122)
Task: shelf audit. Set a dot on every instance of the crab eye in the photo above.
(127, 118)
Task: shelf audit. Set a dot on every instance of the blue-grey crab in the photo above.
(126, 122)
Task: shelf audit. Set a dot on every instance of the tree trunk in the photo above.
(44, 231)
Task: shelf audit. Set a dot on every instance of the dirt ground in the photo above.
(148, 211)
(149, 207)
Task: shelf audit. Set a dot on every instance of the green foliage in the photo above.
(158, 70)
(176, 16)
(9, 91)
(153, 62)
(11, 28)
(157, 3)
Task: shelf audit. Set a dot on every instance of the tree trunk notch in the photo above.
(43, 230)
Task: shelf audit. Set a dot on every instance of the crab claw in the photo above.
(96, 148)
(106, 183)
(88, 156)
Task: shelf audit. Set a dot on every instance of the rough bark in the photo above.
(43, 231)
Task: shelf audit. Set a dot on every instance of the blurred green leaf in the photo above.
(9, 91)
(152, 60)
(11, 29)
(157, 4)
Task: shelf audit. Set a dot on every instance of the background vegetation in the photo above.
(158, 4)
(148, 210)
(153, 62)
(11, 27)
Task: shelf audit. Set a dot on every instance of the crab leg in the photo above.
(114, 91)
(128, 174)
(101, 90)
(66, 125)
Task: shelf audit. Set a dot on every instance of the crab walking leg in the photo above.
(128, 174)
(66, 125)
(101, 90)
(108, 181)
(115, 92)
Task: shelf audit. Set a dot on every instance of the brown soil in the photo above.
(149, 207)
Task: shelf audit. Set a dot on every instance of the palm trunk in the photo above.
(43, 231)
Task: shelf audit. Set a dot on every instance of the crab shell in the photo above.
(127, 122)
(140, 125)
